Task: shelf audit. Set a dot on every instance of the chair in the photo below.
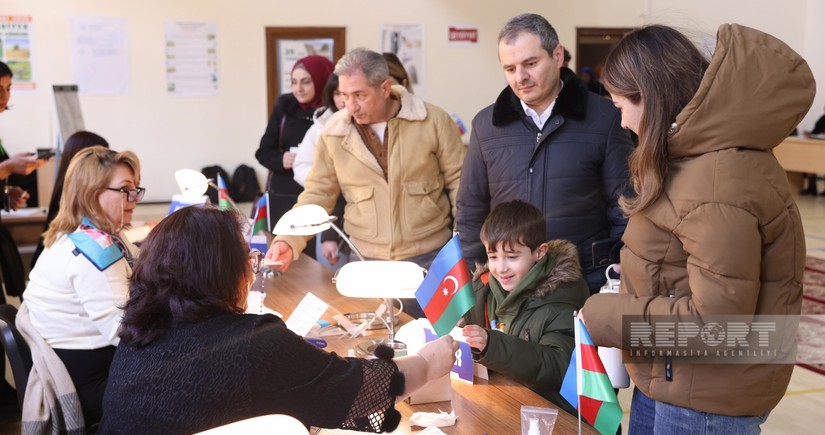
(20, 357)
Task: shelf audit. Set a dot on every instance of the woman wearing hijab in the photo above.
(290, 120)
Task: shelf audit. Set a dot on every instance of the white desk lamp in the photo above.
(193, 184)
(360, 279)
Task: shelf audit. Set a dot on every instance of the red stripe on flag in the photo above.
(261, 214)
(590, 409)
(590, 359)
(455, 279)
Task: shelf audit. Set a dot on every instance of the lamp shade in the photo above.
(305, 220)
(379, 279)
(191, 182)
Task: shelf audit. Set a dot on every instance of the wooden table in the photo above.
(799, 156)
(484, 407)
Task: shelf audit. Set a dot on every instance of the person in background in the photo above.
(397, 161)
(75, 143)
(190, 359)
(819, 129)
(714, 233)
(79, 285)
(23, 164)
(525, 298)
(567, 59)
(398, 75)
(329, 241)
(549, 142)
(291, 118)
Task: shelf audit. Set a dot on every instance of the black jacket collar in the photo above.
(571, 102)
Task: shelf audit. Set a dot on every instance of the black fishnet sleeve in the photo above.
(374, 407)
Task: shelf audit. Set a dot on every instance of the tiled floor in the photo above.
(800, 411)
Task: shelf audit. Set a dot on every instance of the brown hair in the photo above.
(397, 71)
(88, 175)
(514, 222)
(192, 266)
(660, 68)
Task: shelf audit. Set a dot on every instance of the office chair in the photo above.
(20, 357)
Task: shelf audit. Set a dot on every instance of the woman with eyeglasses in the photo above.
(80, 283)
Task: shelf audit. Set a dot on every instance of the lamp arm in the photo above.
(346, 239)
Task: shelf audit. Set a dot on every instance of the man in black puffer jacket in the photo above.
(548, 141)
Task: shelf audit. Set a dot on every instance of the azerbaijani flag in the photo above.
(586, 382)
(446, 293)
(262, 215)
(223, 195)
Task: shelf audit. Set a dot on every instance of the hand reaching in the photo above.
(476, 336)
(279, 255)
(330, 251)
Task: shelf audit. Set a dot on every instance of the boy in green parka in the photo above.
(522, 322)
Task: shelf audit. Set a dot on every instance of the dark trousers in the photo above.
(89, 370)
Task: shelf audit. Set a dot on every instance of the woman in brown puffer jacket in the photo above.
(714, 243)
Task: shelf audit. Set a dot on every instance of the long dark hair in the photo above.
(328, 97)
(192, 266)
(5, 70)
(660, 68)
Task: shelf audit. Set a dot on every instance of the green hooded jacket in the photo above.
(534, 345)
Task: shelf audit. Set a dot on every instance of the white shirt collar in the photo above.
(540, 119)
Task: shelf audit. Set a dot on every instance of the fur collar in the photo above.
(571, 102)
(566, 268)
(413, 108)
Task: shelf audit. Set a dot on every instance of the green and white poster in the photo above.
(16, 49)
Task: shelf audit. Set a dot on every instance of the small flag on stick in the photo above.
(447, 292)
(223, 195)
(261, 215)
(587, 387)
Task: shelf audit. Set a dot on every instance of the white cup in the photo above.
(610, 356)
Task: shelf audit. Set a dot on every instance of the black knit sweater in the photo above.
(233, 367)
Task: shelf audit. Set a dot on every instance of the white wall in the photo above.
(174, 132)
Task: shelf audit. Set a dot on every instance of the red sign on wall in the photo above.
(457, 34)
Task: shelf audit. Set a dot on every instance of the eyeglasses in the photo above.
(132, 195)
(255, 260)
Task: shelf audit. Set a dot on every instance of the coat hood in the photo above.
(735, 99)
(565, 269)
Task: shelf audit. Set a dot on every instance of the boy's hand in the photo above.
(476, 336)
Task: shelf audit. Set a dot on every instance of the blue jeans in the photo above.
(648, 416)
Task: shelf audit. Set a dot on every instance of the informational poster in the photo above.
(16, 50)
(407, 42)
(290, 50)
(191, 58)
(100, 55)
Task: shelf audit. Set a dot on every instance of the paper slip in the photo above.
(306, 314)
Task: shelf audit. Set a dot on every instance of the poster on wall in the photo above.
(290, 50)
(407, 42)
(100, 55)
(191, 58)
(16, 50)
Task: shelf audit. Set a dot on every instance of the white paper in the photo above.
(100, 55)
(432, 419)
(407, 42)
(191, 58)
(306, 314)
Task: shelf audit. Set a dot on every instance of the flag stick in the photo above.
(579, 380)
